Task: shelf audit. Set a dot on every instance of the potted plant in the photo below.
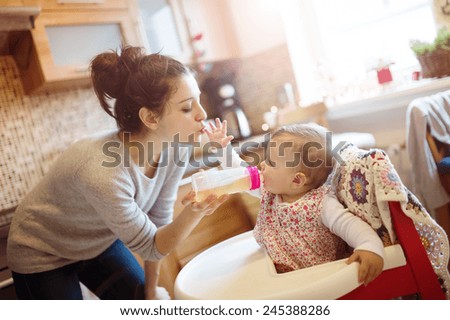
(434, 57)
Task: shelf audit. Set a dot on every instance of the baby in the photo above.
(300, 222)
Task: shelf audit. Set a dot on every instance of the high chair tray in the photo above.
(238, 268)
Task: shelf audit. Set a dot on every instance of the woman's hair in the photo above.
(134, 80)
(309, 140)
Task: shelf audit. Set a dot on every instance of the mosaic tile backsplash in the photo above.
(35, 129)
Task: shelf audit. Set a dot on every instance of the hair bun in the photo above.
(128, 80)
(106, 73)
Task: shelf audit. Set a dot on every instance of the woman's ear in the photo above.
(299, 179)
(148, 118)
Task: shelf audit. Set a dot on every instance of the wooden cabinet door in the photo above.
(60, 5)
(63, 43)
(54, 70)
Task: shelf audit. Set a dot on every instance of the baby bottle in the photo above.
(226, 181)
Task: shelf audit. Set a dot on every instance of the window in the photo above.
(338, 45)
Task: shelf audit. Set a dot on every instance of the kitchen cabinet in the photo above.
(66, 36)
(80, 5)
(12, 3)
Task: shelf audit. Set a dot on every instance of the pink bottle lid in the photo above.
(254, 177)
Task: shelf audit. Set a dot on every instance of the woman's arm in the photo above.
(111, 193)
(171, 235)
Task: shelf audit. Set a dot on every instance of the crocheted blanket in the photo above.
(366, 181)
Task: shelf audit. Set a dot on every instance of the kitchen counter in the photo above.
(388, 98)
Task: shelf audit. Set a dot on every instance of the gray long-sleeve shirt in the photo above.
(90, 198)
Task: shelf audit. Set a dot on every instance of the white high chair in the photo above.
(239, 268)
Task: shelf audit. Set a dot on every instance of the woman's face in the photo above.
(182, 121)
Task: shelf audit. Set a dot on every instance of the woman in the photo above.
(114, 190)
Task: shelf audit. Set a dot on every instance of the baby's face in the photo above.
(280, 166)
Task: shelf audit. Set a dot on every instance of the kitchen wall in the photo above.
(257, 25)
(260, 79)
(35, 129)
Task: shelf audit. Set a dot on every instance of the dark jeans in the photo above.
(114, 274)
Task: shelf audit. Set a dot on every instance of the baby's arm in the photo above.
(371, 265)
(358, 234)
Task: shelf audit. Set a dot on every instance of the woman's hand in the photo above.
(173, 234)
(205, 207)
(217, 133)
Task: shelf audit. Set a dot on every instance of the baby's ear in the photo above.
(299, 179)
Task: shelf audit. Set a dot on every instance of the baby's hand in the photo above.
(371, 265)
(218, 133)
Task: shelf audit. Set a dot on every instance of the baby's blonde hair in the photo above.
(301, 135)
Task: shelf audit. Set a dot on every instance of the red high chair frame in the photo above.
(416, 277)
